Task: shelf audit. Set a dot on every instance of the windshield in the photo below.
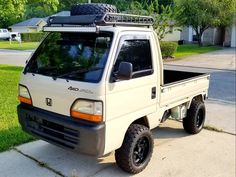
(74, 56)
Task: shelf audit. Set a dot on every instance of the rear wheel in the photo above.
(136, 151)
(195, 119)
(92, 9)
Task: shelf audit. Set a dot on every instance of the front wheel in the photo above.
(136, 151)
(195, 119)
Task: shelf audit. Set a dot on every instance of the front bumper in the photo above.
(63, 131)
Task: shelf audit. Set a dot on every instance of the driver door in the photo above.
(134, 98)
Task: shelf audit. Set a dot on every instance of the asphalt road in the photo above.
(14, 57)
(222, 86)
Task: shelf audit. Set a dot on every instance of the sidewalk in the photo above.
(176, 154)
(221, 116)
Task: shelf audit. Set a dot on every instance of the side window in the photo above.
(138, 53)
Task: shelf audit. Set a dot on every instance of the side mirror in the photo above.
(125, 71)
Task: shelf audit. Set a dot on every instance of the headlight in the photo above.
(24, 95)
(87, 110)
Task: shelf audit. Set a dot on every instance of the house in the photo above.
(212, 36)
(230, 35)
(174, 34)
(29, 26)
(34, 24)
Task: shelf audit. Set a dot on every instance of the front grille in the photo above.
(52, 131)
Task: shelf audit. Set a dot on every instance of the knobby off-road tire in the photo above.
(195, 119)
(136, 151)
(92, 9)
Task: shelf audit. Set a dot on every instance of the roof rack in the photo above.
(127, 19)
(101, 20)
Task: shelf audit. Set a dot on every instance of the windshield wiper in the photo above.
(78, 72)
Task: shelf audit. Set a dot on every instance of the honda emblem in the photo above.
(48, 101)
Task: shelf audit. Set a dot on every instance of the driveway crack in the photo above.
(40, 163)
(97, 172)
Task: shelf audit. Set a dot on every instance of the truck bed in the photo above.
(171, 76)
(180, 87)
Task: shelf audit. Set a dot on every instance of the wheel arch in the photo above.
(142, 121)
(201, 97)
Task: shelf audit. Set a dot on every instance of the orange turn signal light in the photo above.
(88, 117)
(25, 100)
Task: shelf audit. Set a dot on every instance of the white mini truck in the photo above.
(96, 84)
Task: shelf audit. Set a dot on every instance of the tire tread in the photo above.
(91, 9)
(189, 122)
(123, 154)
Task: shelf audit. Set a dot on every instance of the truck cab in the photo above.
(98, 85)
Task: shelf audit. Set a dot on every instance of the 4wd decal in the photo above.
(73, 88)
(80, 90)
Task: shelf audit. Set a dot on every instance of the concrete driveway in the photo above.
(221, 59)
(176, 154)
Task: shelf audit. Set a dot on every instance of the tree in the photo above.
(40, 8)
(11, 11)
(122, 5)
(66, 4)
(203, 14)
(163, 21)
(226, 16)
(140, 9)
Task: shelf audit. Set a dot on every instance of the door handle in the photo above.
(154, 92)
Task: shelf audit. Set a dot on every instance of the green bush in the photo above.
(32, 37)
(168, 48)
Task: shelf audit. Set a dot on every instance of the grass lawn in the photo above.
(193, 49)
(10, 130)
(16, 45)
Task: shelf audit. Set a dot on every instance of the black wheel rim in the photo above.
(141, 151)
(200, 118)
